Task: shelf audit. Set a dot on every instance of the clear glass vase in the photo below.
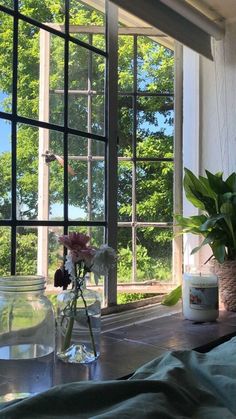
(78, 328)
(27, 337)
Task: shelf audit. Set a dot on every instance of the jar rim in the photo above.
(22, 283)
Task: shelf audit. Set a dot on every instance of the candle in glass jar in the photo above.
(200, 297)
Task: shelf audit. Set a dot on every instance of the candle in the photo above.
(200, 297)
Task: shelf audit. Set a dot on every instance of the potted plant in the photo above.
(216, 223)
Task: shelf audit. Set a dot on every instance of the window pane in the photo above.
(38, 252)
(5, 250)
(124, 248)
(125, 191)
(86, 90)
(6, 53)
(126, 64)
(49, 13)
(155, 66)
(154, 191)
(56, 81)
(86, 183)
(39, 173)
(5, 169)
(154, 254)
(8, 3)
(125, 125)
(40, 96)
(26, 251)
(155, 127)
(87, 23)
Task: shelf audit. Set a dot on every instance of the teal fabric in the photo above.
(180, 384)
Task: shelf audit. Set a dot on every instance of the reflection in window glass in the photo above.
(86, 90)
(47, 12)
(5, 169)
(40, 192)
(86, 199)
(6, 51)
(83, 17)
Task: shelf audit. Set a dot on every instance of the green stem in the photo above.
(89, 323)
(67, 338)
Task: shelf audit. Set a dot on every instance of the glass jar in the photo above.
(78, 328)
(27, 337)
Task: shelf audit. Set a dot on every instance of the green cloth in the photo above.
(180, 384)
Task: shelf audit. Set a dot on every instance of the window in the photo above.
(58, 151)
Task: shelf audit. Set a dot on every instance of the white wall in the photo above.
(209, 126)
(218, 106)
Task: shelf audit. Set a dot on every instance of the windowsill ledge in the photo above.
(133, 338)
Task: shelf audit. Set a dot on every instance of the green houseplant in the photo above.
(216, 223)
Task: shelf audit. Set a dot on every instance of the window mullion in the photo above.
(110, 288)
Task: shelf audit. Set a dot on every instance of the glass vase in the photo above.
(27, 337)
(78, 328)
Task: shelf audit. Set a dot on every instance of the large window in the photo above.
(57, 145)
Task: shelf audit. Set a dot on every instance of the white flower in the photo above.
(103, 260)
(69, 265)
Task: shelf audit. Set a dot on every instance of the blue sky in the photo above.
(5, 130)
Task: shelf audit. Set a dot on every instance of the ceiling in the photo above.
(225, 8)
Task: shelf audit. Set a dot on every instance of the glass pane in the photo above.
(56, 82)
(125, 125)
(5, 250)
(55, 253)
(28, 71)
(155, 125)
(48, 12)
(154, 191)
(126, 64)
(86, 183)
(8, 3)
(86, 90)
(39, 174)
(6, 53)
(5, 169)
(40, 95)
(87, 23)
(26, 250)
(124, 249)
(124, 191)
(154, 254)
(155, 66)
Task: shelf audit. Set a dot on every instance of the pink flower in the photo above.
(75, 241)
(86, 255)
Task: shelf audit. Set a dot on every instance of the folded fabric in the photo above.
(180, 384)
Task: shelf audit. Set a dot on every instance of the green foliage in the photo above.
(173, 297)
(128, 297)
(216, 198)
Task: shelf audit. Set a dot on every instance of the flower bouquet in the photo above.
(79, 309)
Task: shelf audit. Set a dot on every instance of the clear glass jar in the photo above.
(27, 337)
(78, 330)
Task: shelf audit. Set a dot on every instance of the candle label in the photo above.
(203, 298)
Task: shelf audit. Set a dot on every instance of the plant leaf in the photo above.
(173, 297)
